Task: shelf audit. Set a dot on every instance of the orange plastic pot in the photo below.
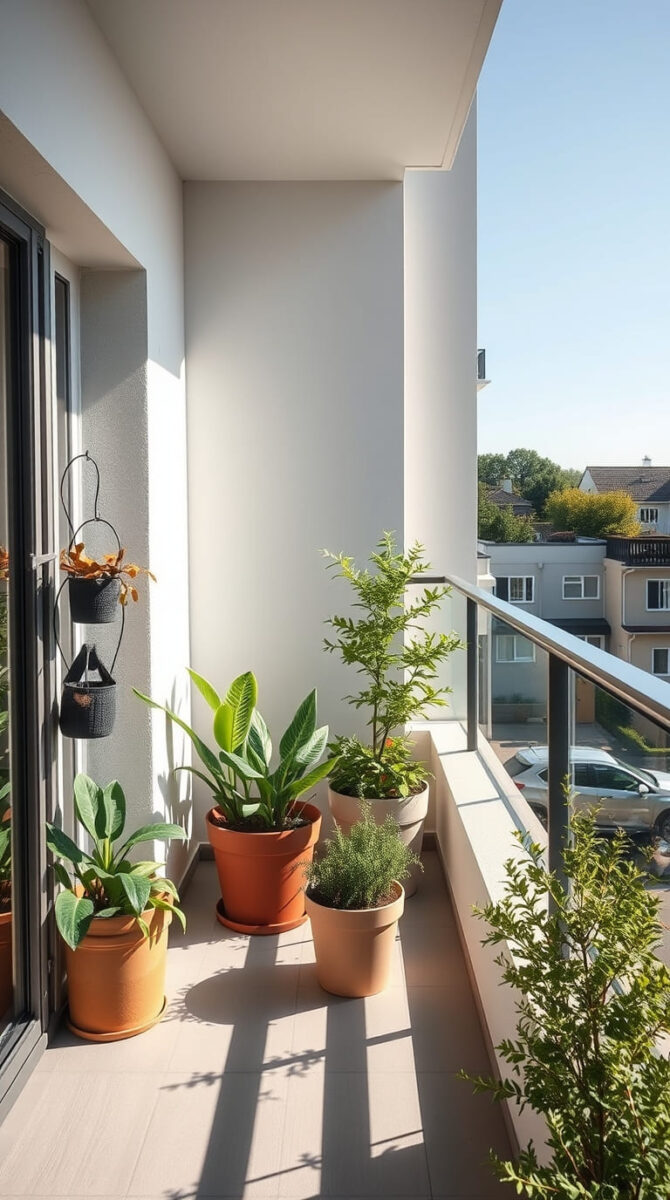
(6, 980)
(261, 875)
(116, 977)
(354, 946)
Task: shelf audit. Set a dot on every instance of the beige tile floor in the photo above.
(258, 1084)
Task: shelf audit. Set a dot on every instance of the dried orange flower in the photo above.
(77, 564)
(4, 562)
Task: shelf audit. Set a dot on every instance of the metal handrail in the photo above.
(630, 684)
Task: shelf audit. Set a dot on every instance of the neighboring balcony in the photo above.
(640, 551)
(482, 381)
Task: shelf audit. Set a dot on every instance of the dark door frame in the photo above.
(31, 588)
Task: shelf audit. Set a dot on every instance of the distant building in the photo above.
(505, 497)
(648, 486)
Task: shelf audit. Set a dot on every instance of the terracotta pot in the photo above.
(409, 812)
(6, 979)
(261, 874)
(354, 946)
(116, 977)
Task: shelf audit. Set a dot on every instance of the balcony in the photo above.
(257, 1083)
(482, 381)
(640, 551)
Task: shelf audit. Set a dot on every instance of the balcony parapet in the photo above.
(639, 551)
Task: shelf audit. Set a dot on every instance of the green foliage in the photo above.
(533, 476)
(359, 870)
(244, 788)
(5, 848)
(616, 717)
(361, 773)
(495, 524)
(591, 514)
(105, 883)
(395, 654)
(594, 999)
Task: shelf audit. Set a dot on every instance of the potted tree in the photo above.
(355, 899)
(593, 1012)
(258, 827)
(398, 659)
(113, 915)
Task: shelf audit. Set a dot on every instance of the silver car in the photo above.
(623, 796)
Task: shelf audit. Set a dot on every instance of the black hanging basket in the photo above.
(88, 706)
(94, 601)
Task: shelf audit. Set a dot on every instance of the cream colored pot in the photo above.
(354, 946)
(410, 813)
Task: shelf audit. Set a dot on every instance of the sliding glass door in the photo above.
(26, 683)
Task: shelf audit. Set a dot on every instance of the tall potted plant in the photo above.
(389, 646)
(355, 899)
(113, 915)
(260, 830)
(593, 1009)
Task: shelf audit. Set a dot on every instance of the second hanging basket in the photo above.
(88, 706)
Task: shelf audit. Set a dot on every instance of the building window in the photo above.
(660, 660)
(512, 648)
(649, 516)
(593, 639)
(658, 594)
(581, 587)
(519, 589)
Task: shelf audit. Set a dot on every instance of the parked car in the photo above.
(625, 797)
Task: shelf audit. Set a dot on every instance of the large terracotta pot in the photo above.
(262, 874)
(116, 977)
(354, 946)
(6, 980)
(409, 812)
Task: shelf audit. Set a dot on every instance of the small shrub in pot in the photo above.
(355, 898)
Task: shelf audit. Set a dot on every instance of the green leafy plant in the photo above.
(359, 870)
(399, 659)
(105, 883)
(246, 791)
(595, 999)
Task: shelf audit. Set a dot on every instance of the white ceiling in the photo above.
(302, 89)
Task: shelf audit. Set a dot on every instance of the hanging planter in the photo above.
(94, 601)
(88, 706)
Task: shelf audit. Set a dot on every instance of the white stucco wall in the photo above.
(294, 332)
(64, 93)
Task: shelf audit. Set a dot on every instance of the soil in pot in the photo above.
(409, 812)
(354, 947)
(116, 977)
(261, 874)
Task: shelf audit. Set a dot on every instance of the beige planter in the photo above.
(354, 946)
(410, 813)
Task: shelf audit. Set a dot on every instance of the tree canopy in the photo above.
(591, 514)
(533, 476)
(500, 524)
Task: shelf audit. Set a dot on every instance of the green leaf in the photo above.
(309, 781)
(114, 809)
(61, 875)
(105, 913)
(137, 890)
(259, 739)
(59, 843)
(301, 728)
(311, 751)
(156, 902)
(146, 868)
(88, 806)
(241, 696)
(240, 765)
(250, 810)
(206, 690)
(207, 756)
(224, 718)
(160, 832)
(73, 917)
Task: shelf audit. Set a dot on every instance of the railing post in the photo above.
(559, 763)
(472, 673)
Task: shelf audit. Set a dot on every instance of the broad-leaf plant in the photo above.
(103, 882)
(397, 658)
(248, 791)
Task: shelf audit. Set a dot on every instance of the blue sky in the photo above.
(574, 230)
